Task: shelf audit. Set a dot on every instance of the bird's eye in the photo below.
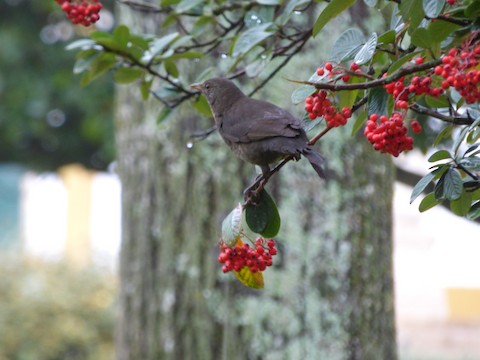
(207, 86)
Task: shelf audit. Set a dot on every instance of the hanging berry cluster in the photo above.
(318, 105)
(459, 70)
(389, 135)
(82, 12)
(256, 258)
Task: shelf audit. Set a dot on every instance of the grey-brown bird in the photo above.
(257, 131)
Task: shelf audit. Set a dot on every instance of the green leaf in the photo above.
(80, 44)
(164, 114)
(421, 38)
(158, 44)
(232, 225)
(300, 94)
(470, 163)
(428, 202)
(459, 139)
(474, 212)
(439, 30)
(145, 89)
(84, 63)
(471, 149)
(367, 51)
(359, 121)
(269, 2)
(263, 217)
(378, 101)
(334, 8)
(444, 134)
(121, 35)
(201, 105)
(171, 68)
(398, 64)
(125, 75)
(450, 186)
(100, 65)
(186, 5)
(412, 10)
(387, 37)
(370, 3)
(250, 38)
(347, 44)
(437, 102)
(421, 185)
(473, 10)
(461, 206)
(433, 8)
(250, 279)
(439, 155)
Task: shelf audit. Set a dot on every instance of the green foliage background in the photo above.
(36, 78)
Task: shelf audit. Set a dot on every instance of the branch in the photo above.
(456, 120)
(403, 71)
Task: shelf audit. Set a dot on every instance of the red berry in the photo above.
(328, 66)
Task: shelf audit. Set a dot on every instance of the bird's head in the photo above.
(219, 91)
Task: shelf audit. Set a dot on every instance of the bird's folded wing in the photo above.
(260, 120)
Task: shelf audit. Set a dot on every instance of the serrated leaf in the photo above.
(250, 38)
(263, 217)
(232, 225)
(333, 9)
(349, 41)
(461, 206)
(439, 155)
(428, 202)
(433, 8)
(301, 93)
(251, 279)
(125, 75)
(377, 101)
(365, 54)
(421, 185)
(470, 163)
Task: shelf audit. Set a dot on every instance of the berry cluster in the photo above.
(459, 70)
(318, 105)
(419, 85)
(83, 12)
(256, 258)
(389, 135)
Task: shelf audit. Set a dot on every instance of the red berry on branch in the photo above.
(328, 66)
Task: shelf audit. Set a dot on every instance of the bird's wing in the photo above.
(254, 120)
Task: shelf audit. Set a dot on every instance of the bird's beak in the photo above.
(196, 86)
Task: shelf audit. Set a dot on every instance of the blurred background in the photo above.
(60, 214)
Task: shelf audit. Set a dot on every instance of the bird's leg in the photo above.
(251, 193)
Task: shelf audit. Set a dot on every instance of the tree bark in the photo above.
(329, 294)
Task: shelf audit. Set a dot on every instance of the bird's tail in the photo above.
(316, 160)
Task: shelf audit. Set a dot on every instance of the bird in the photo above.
(257, 131)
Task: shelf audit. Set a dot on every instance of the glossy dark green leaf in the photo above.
(461, 206)
(333, 9)
(470, 163)
(387, 37)
(474, 212)
(439, 155)
(263, 217)
(428, 202)
(449, 186)
(439, 30)
(421, 185)
(412, 11)
(421, 38)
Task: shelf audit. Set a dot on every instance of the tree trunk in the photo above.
(329, 294)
